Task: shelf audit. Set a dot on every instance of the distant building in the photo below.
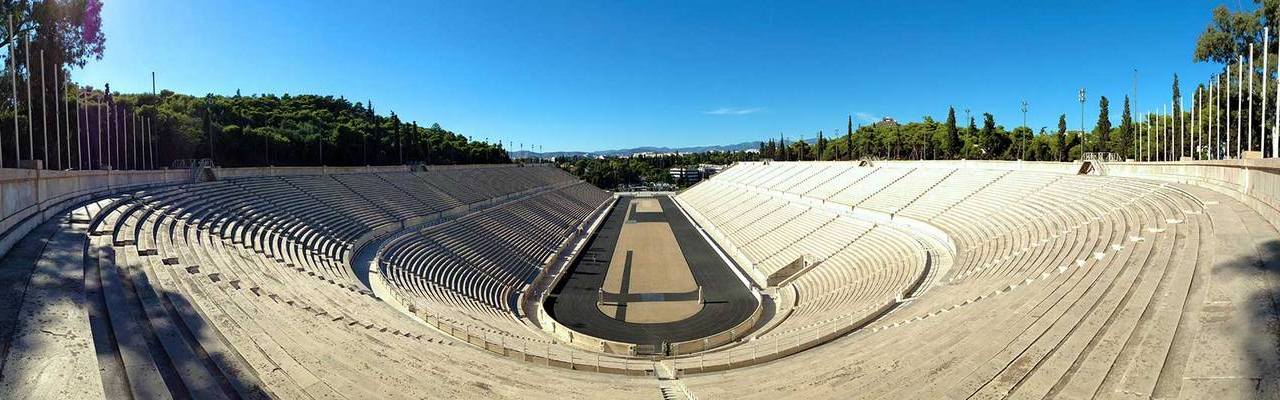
(887, 122)
(710, 169)
(686, 174)
(693, 174)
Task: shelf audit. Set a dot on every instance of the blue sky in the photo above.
(614, 74)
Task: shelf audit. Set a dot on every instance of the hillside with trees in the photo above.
(297, 130)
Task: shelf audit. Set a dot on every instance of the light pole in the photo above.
(1024, 126)
(1082, 134)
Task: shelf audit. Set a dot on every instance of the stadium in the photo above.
(1144, 274)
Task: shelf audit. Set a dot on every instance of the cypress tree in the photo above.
(821, 147)
(951, 143)
(1103, 130)
(1124, 143)
(1062, 137)
(849, 138)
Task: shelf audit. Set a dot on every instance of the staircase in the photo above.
(669, 385)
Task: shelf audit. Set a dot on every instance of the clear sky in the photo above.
(593, 75)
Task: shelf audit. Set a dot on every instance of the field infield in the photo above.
(648, 277)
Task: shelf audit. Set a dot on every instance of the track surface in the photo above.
(573, 302)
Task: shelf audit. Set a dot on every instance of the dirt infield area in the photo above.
(649, 280)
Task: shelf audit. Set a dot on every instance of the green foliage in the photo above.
(1102, 131)
(993, 142)
(1060, 151)
(296, 130)
(1123, 143)
(1230, 33)
(618, 172)
(950, 145)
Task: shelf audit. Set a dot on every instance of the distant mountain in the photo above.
(646, 149)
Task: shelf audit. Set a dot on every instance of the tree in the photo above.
(820, 147)
(1177, 99)
(970, 140)
(951, 143)
(1124, 140)
(987, 137)
(1062, 137)
(782, 145)
(1102, 131)
(1230, 33)
(849, 138)
(68, 32)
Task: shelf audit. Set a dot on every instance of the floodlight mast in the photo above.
(1082, 134)
(1024, 126)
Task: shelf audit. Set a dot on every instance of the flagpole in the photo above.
(151, 144)
(1165, 125)
(137, 139)
(1182, 132)
(1195, 127)
(102, 126)
(44, 113)
(1228, 132)
(31, 138)
(1212, 121)
(124, 139)
(79, 145)
(1249, 144)
(57, 124)
(150, 128)
(13, 68)
(1266, 48)
(1239, 104)
(129, 146)
(66, 116)
(1217, 131)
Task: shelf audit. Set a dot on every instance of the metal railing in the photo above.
(1101, 157)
